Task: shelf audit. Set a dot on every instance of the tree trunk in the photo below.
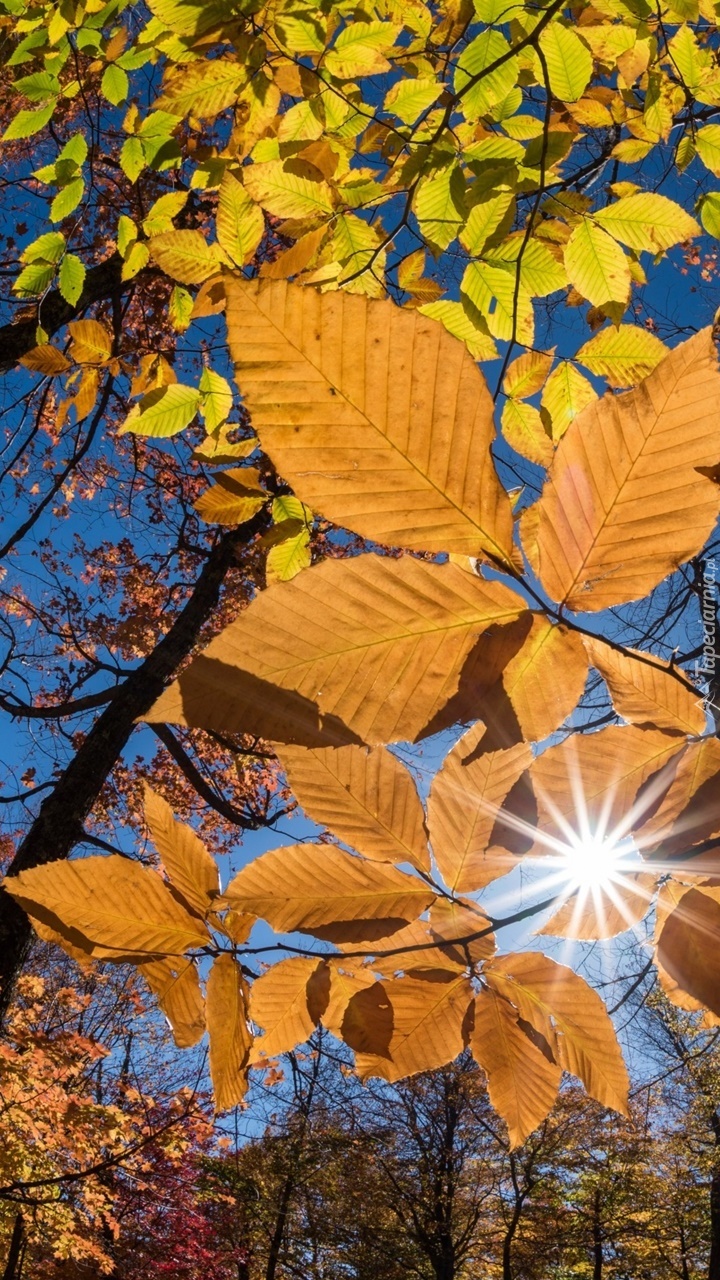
(684, 1255)
(16, 1254)
(598, 1257)
(444, 1263)
(60, 823)
(714, 1265)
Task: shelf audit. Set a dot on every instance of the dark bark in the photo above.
(684, 1255)
(102, 281)
(598, 1256)
(16, 1254)
(60, 822)
(714, 1264)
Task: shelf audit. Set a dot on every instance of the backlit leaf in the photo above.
(230, 1036)
(323, 890)
(608, 527)
(240, 223)
(647, 221)
(185, 256)
(163, 412)
(687, 947)
(369, 388)
(280, 1004)
(190, 867)
(569, 61)
(176, 986)
(543, 990)
(375, 644)
(606, 910)
(522, 1083)
(646, 690)
(113, 901)
(429, 1026)
(623, 355)
(366, 798)
(596, 265)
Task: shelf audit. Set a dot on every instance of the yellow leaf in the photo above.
(176, 986)
(543, 990)
(604, 911)
(647, 221)
(596, 265)
(288, 192)
(114, 902)
(366, 798)
(527, 374)
(281, 1002)
(522, 1083)
(183, 255)
(545, 679)
(608, 526)
(375, 644)
(429, 1025)
(230, 1036)
(323, 890)
(233, 499)
(295, 259)
(359, 49)
(203, 89)
(463, 806)
(240, 223)
(569, 61)
(91, 342)
(418, 948)
(47, 360)
(647, 691)
(623, 355)
(191, 869)
(358, 1011)
(525, 432)
(379, 419)
(565, 394)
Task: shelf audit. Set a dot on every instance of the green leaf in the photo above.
(507, 310)
(34, 279)
(709, 209)
(647, 221)
(359, 49)
(707, 141)
(49, 247)
(71, 278)
(440, 206)
(493, 215)
(180, 309)
(523, 429)
(75, 150)
(28, 123)
(467, 325)
(569, 61)
(159, 217)
(478, 98)
(132, 158)
(217, 399)
(163, 412)
(409, 98)
(596, 265)
(624, 355)
(38, 87)
(287, 558)
(137, 258)
(127, 234)
(114, 85)
(565, 394)
(67, 199)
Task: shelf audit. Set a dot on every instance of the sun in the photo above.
(593, 861)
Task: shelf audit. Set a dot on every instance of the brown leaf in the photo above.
(176, 986)
(429, 1026)
(625, 502)
(359, 1012)
(688, 814)
(280, 1004)
(647, 691)
(323, 890)
(230, 1035)
(545, 679)
(114, 902)
(46, 359)
(589, 783)
(366, 798)
(413, 948)
(688, 946)
(522, 1084)
(190, 867)
(604, 911)
(233, 499)
(376, 415)
(547, 993)
(459, 918)
(371, 643)
(462, 811)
